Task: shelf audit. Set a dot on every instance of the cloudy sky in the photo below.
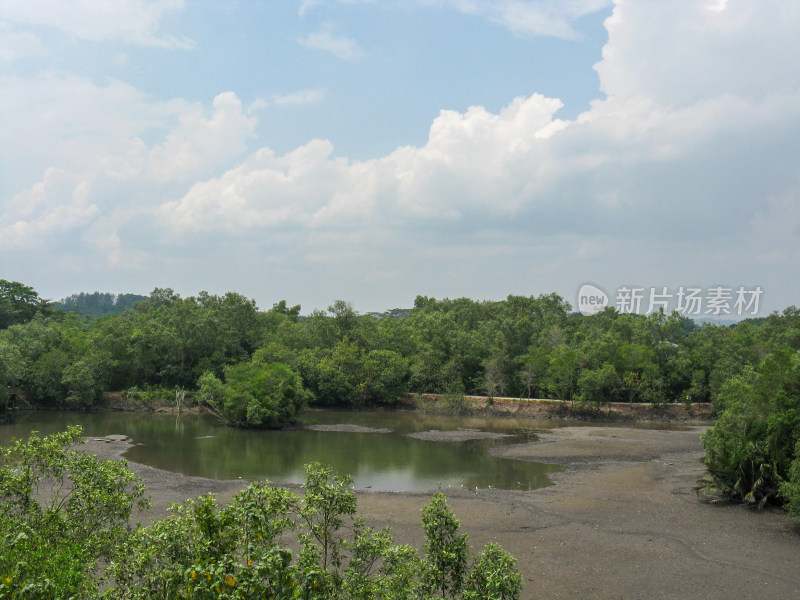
(375, 150)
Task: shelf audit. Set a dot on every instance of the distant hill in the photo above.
(396, 313)
(98, 304)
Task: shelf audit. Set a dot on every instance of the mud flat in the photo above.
(622, 521)
(348, 428)
(458, 435)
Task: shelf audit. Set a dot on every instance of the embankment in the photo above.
(699, 412)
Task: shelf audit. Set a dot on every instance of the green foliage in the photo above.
(790, 489)
(494, 576)
(328, 500)
(750, 449)
(202, 550)
(445, 549)
(98, 304)
(598, 385)
(19, 303)
(54, 360)
(61, 511)
(255, 394)
(519, 347)
(348, 375)
(384, 376)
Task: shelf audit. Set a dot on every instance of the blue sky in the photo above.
(376, 150)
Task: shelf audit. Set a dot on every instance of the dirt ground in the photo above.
(623, 521)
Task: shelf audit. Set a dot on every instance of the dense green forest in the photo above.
(519, 347)
(261, 367)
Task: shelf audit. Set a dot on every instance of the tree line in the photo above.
(518, 347)
(98, 304)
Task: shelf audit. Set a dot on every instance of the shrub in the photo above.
(61, 511)
(790, 490)
(255, 394)
(238, 552)
(750, 449)
(64, 515)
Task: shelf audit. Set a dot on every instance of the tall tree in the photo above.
(19, 303)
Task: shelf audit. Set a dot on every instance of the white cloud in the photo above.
(611, 168)
(530, 17)
(16, 45)
(686, 171)
(680, 54)
(194, 149)
(117, 257)
(135, 21)
(303, 97)
(307, 5)
(199, 144)
(56, 205)
(651, 165)
(339, 45)
(67, 120)
(87, 207)
(264, 192)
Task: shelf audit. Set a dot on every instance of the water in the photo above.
(199, 445)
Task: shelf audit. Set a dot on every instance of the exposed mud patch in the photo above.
(576, 445)
(349, 428)
(460, 435)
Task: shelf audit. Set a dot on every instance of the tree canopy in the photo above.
(19, 303)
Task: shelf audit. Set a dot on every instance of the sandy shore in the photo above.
(622, 521)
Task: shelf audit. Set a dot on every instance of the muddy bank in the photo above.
(622, 521)
(459, 435)
(694, 413)
(571, 446)
(348, 428)
(121, 401)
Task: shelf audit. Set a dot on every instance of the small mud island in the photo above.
(622, 521)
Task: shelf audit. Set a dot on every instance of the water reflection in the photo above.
(199, 445)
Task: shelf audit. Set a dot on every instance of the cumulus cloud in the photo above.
(682, 54)
(200, 144)
(135, 21)
(608, 170)
(56, 205)
(67, 120)
(193, 149)
(696, 149)
(88, 206)
(686, 167)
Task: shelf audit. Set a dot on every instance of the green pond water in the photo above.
(199, 445)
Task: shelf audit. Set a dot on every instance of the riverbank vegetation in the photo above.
(65, 533)
(518, 347)
(260, 367)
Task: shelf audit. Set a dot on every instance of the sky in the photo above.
(371, 151)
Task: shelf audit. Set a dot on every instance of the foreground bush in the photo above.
(65, 514)
(61, 512)
(240, 551)
(752, 450)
